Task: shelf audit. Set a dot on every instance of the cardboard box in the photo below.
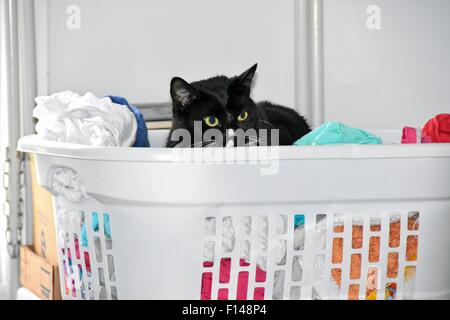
(38, 275)
(44, 230)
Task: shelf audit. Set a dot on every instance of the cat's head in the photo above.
(243, 112)
(193, 106)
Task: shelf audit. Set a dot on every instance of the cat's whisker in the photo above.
(202, 144)
(255, 140)
(208, 143)
(252, 143)
(197, 144)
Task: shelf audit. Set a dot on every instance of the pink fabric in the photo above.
(438, 129)
(259, 294)
(242, 286)
(223, 294)
(87, 262)
(66, 280)
(412, 136)
(260, 275)
(224, 277)
(206, 286)
(225, 269)
(409, 135)
(243, 263)
(77, 248)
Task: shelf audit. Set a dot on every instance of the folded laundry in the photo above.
(89, 120)
(438, 129)
(337, 133)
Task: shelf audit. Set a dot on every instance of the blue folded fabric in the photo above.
(141, 132)
(337, 133)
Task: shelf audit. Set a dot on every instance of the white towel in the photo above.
(88, 120)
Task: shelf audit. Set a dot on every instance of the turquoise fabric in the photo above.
(337, 133)
(95, 228)
(84, 239)
(106, 225)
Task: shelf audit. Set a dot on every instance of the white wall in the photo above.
(133, 47)
(392, 77)
(398, 75)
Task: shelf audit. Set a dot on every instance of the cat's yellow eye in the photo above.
(243, 116)
(211, 122)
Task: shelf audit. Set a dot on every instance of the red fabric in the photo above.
(259, 294)
(243, 263)
(223, 294)
(242, 286)
(260, 275)
(224, 277)
(225, 269)
(87, 262)
(438, 129)
(77, 248)
(206, 286)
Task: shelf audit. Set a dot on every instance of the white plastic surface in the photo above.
(25, 294)
(157, 203)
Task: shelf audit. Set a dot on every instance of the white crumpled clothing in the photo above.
(228, 237)
(88, 120)
(66, 182)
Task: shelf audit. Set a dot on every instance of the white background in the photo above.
(386, 78)
(133, 48)
(396, 76)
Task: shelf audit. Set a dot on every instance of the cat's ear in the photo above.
(183, 94)
(243, 83)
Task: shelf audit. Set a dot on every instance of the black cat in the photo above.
(202, 102)
(225, 104)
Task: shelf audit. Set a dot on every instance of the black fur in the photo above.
(195, 101)
(227, 99)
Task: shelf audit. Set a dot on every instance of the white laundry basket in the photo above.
(328, 222)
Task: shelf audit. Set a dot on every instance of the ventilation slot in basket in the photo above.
(310, 256)
(87, 258)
